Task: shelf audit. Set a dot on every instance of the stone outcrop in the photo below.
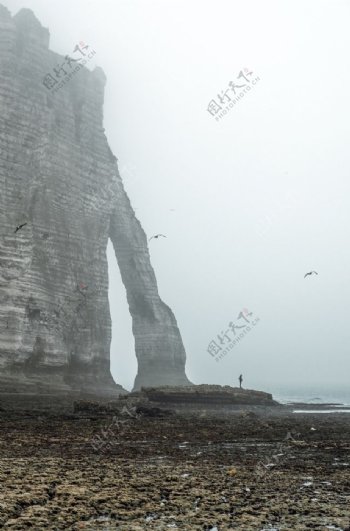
(60, 180)
(188, 400)
(201, 394)
(201, 398)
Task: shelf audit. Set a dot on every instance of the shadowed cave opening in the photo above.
(122, 352)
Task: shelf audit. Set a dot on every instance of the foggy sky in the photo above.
(259, 197)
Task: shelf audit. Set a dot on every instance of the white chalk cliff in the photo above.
(59, 178)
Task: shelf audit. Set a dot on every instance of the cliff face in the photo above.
(60, 180)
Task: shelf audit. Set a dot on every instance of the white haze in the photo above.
(259, 198)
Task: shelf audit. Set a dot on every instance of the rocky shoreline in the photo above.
(127, 466)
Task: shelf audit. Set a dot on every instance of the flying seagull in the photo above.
(311, 273)
(20, 226)
(157, 236)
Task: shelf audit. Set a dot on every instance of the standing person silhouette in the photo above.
(240, 381)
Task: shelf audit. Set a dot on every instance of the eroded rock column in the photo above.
(159, 349)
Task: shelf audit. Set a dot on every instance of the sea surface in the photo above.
(313, 395)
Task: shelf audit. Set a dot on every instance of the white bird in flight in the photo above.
(156, 236)
(20, 226)
(311, 273)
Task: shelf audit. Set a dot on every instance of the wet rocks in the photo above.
(52, 478)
